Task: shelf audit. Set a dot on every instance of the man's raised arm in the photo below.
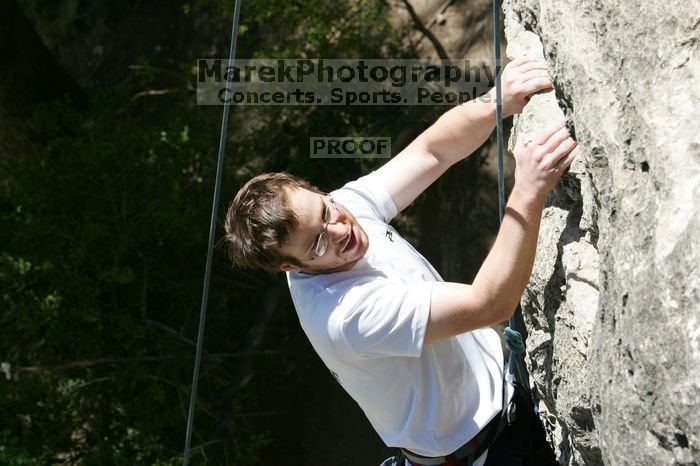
(458, 308)
(459, 132)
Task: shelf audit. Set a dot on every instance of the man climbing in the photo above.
(415, 352)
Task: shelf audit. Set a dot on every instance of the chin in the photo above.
(345, 261)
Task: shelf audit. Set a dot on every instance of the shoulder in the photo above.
(332, 291)
(364, 314)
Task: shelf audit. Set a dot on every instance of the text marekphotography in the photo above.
(343, 82)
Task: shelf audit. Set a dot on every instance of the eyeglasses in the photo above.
(322, 241)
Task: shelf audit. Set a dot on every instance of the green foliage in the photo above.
(104, 232)
(320, 29)
(89, 223)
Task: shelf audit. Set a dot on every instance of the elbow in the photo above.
(500, 307)
(506, 311)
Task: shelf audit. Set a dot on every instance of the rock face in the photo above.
(613, 308)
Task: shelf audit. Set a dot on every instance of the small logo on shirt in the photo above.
(390, 234)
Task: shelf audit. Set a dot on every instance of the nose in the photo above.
(337, 231)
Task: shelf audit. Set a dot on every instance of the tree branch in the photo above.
(169, 330)
(113, 361)
(151, 92)
(428, 33)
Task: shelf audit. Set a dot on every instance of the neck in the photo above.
(340, 268)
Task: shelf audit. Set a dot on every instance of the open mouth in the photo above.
(351, 241)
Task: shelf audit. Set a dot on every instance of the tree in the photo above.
(30, 76)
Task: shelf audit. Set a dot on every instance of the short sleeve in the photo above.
(380, 319)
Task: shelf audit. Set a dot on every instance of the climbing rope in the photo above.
(513, 338)
(212, 235)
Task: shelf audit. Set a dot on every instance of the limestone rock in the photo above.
(612, 310)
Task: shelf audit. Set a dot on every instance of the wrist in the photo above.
(489, 100)
(483, 106)
(527, 195)
(493, 102)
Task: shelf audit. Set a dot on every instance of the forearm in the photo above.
(506, 271)
(460, 131)
(495, 293)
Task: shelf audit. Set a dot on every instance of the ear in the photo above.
(285, 267)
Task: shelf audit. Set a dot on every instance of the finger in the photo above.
(545, 134)
(518, 61)
(524, 76)
(536, 85)
(561, 152)
(565, 162)
(523, 60)
(533, 65)
(555, 140)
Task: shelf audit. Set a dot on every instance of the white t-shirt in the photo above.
(368, 323)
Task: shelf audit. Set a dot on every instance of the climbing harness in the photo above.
(212, 235)
(513, 338)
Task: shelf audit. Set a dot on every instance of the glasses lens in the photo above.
(322, 244)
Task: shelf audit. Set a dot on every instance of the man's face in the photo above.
(347, 241)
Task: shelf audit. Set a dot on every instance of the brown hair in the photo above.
(259, 220)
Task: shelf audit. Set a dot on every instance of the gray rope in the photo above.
(499, 108)
(212, 236)
(514, 342)
(513, 338)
